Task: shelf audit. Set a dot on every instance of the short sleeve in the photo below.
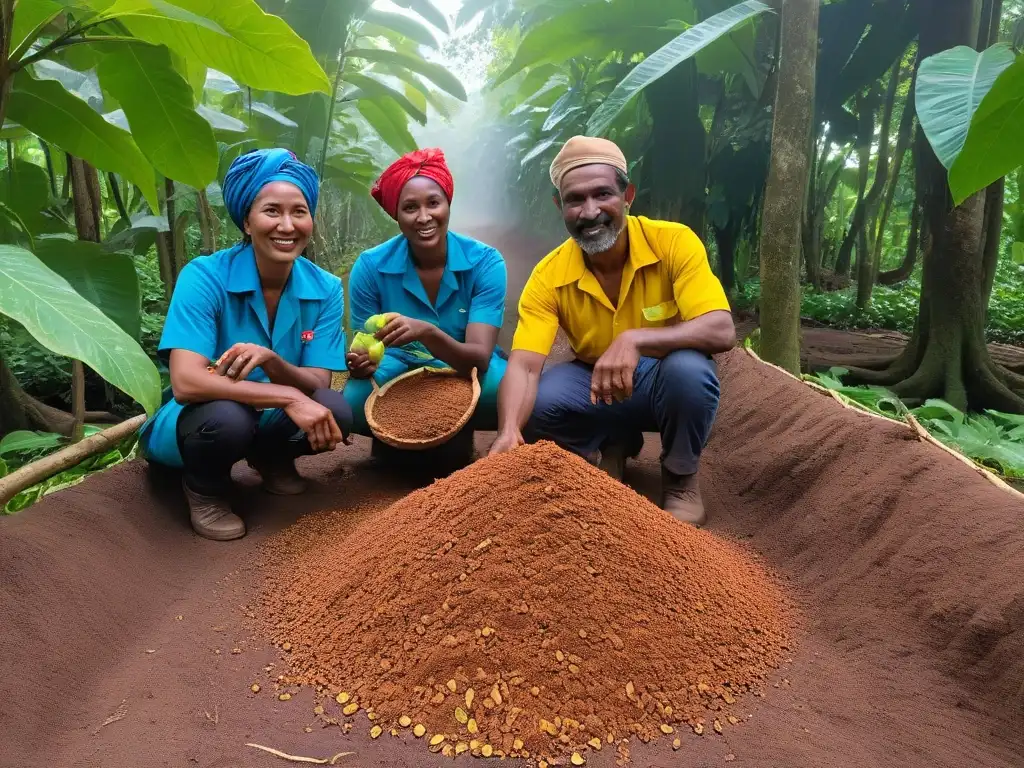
(538, 317)
(363, 294)
(327, 347)
(696, 289)
(194, 314)
(487, 304)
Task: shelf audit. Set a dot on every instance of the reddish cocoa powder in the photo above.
(572, 607)
(424, 406)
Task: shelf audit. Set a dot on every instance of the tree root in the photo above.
(299, 758)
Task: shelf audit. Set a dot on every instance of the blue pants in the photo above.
(676, 396)
(213, 436)
(485, 418)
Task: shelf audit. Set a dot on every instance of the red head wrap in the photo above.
(423, 162)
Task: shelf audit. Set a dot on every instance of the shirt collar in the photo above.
(641, 254)
(303, 283)
(398, 259)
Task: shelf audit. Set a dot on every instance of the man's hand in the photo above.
(506, 441)
(613, 373)
(317, 422)
(402, 330)
(360, 366)
(242, 359)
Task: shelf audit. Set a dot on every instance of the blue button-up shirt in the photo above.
(218, 302)
(384, 279)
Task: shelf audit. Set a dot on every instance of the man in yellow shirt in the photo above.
(643, 312)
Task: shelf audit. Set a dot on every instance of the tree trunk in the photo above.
(207, 225)
(906, 269)
(676, 162)
(865, 134)
(785, 194)
(725, 239)
(866, 265)
(991, 238)
(19, 410)
(947, 356)
(904, 137)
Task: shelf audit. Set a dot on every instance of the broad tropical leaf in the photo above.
(67, 324)
(389, 121)
(25, 189)
(266, 110)
(427, 10)
(322, 23)
(254, 48)
(995, 140)
(950, 87)
(107, 280)
(23, 440)
(437, 74)
(218, 81)
(31, 18)
(470, 10)
(669, 56)
(537, 151)
(433, 98)
(221, 122)
(160, 107)
(56, 116)
(375, 89)
(403, 25)
(84, 85)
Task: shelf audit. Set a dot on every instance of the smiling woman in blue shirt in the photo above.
(252, 336)
(447, 290)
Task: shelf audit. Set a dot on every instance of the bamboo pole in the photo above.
(48, 466)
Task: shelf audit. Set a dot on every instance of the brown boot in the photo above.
(280, 478)
(212, 517)
(680, 497)
(613, 460)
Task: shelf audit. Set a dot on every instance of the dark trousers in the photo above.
(676, 396)
(214, 436)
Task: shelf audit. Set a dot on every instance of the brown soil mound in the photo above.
(423, 407)
(571, 606)
(907, 562)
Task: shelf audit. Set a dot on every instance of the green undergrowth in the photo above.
(23, 447)
(992, 439)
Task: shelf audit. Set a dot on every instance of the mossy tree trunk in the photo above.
(786, 191)
(947, 356)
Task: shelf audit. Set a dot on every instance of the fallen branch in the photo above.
(299, 758)
(909, 421)
(48, 466)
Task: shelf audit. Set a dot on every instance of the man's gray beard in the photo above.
(601, 243)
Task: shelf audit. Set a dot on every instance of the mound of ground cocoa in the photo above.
(528, 605)
(423, 407)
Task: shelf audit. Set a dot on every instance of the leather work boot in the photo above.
(680, 497)
(280, 478)
(613, 459)
(212, 517)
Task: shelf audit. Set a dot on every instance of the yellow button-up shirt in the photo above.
(666, 280)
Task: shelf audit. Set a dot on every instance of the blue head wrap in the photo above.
(250, 172)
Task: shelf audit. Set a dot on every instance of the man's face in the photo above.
(593, 207)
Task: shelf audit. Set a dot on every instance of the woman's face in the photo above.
(279, 222)
(423, 212)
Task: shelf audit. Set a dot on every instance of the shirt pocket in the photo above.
(661, 314)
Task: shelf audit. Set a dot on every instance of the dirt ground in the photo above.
(119, 624)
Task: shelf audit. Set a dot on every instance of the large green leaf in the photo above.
(159, 104)
(65, 323)
(403, 25)
(221, 122)
(950, 86)
(107, 280)
(995, 141)
(253, 47)
(49, 111)
(23, 440)
(375, 89)
(390, 123)
(84, 85)
(669, 56)
(433, 98)
(25, 189)
(437, 74)
(31, 18)
(427, 10)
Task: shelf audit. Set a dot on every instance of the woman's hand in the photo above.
(317, 422)
(506, 441)
(360, 366)
(402, 330)
(242, 359)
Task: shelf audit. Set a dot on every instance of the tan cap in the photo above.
(586, 150)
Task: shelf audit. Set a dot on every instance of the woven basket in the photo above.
(420, 444)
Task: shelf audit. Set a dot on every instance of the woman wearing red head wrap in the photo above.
(447, 291)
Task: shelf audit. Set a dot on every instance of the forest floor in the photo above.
(122, 624)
